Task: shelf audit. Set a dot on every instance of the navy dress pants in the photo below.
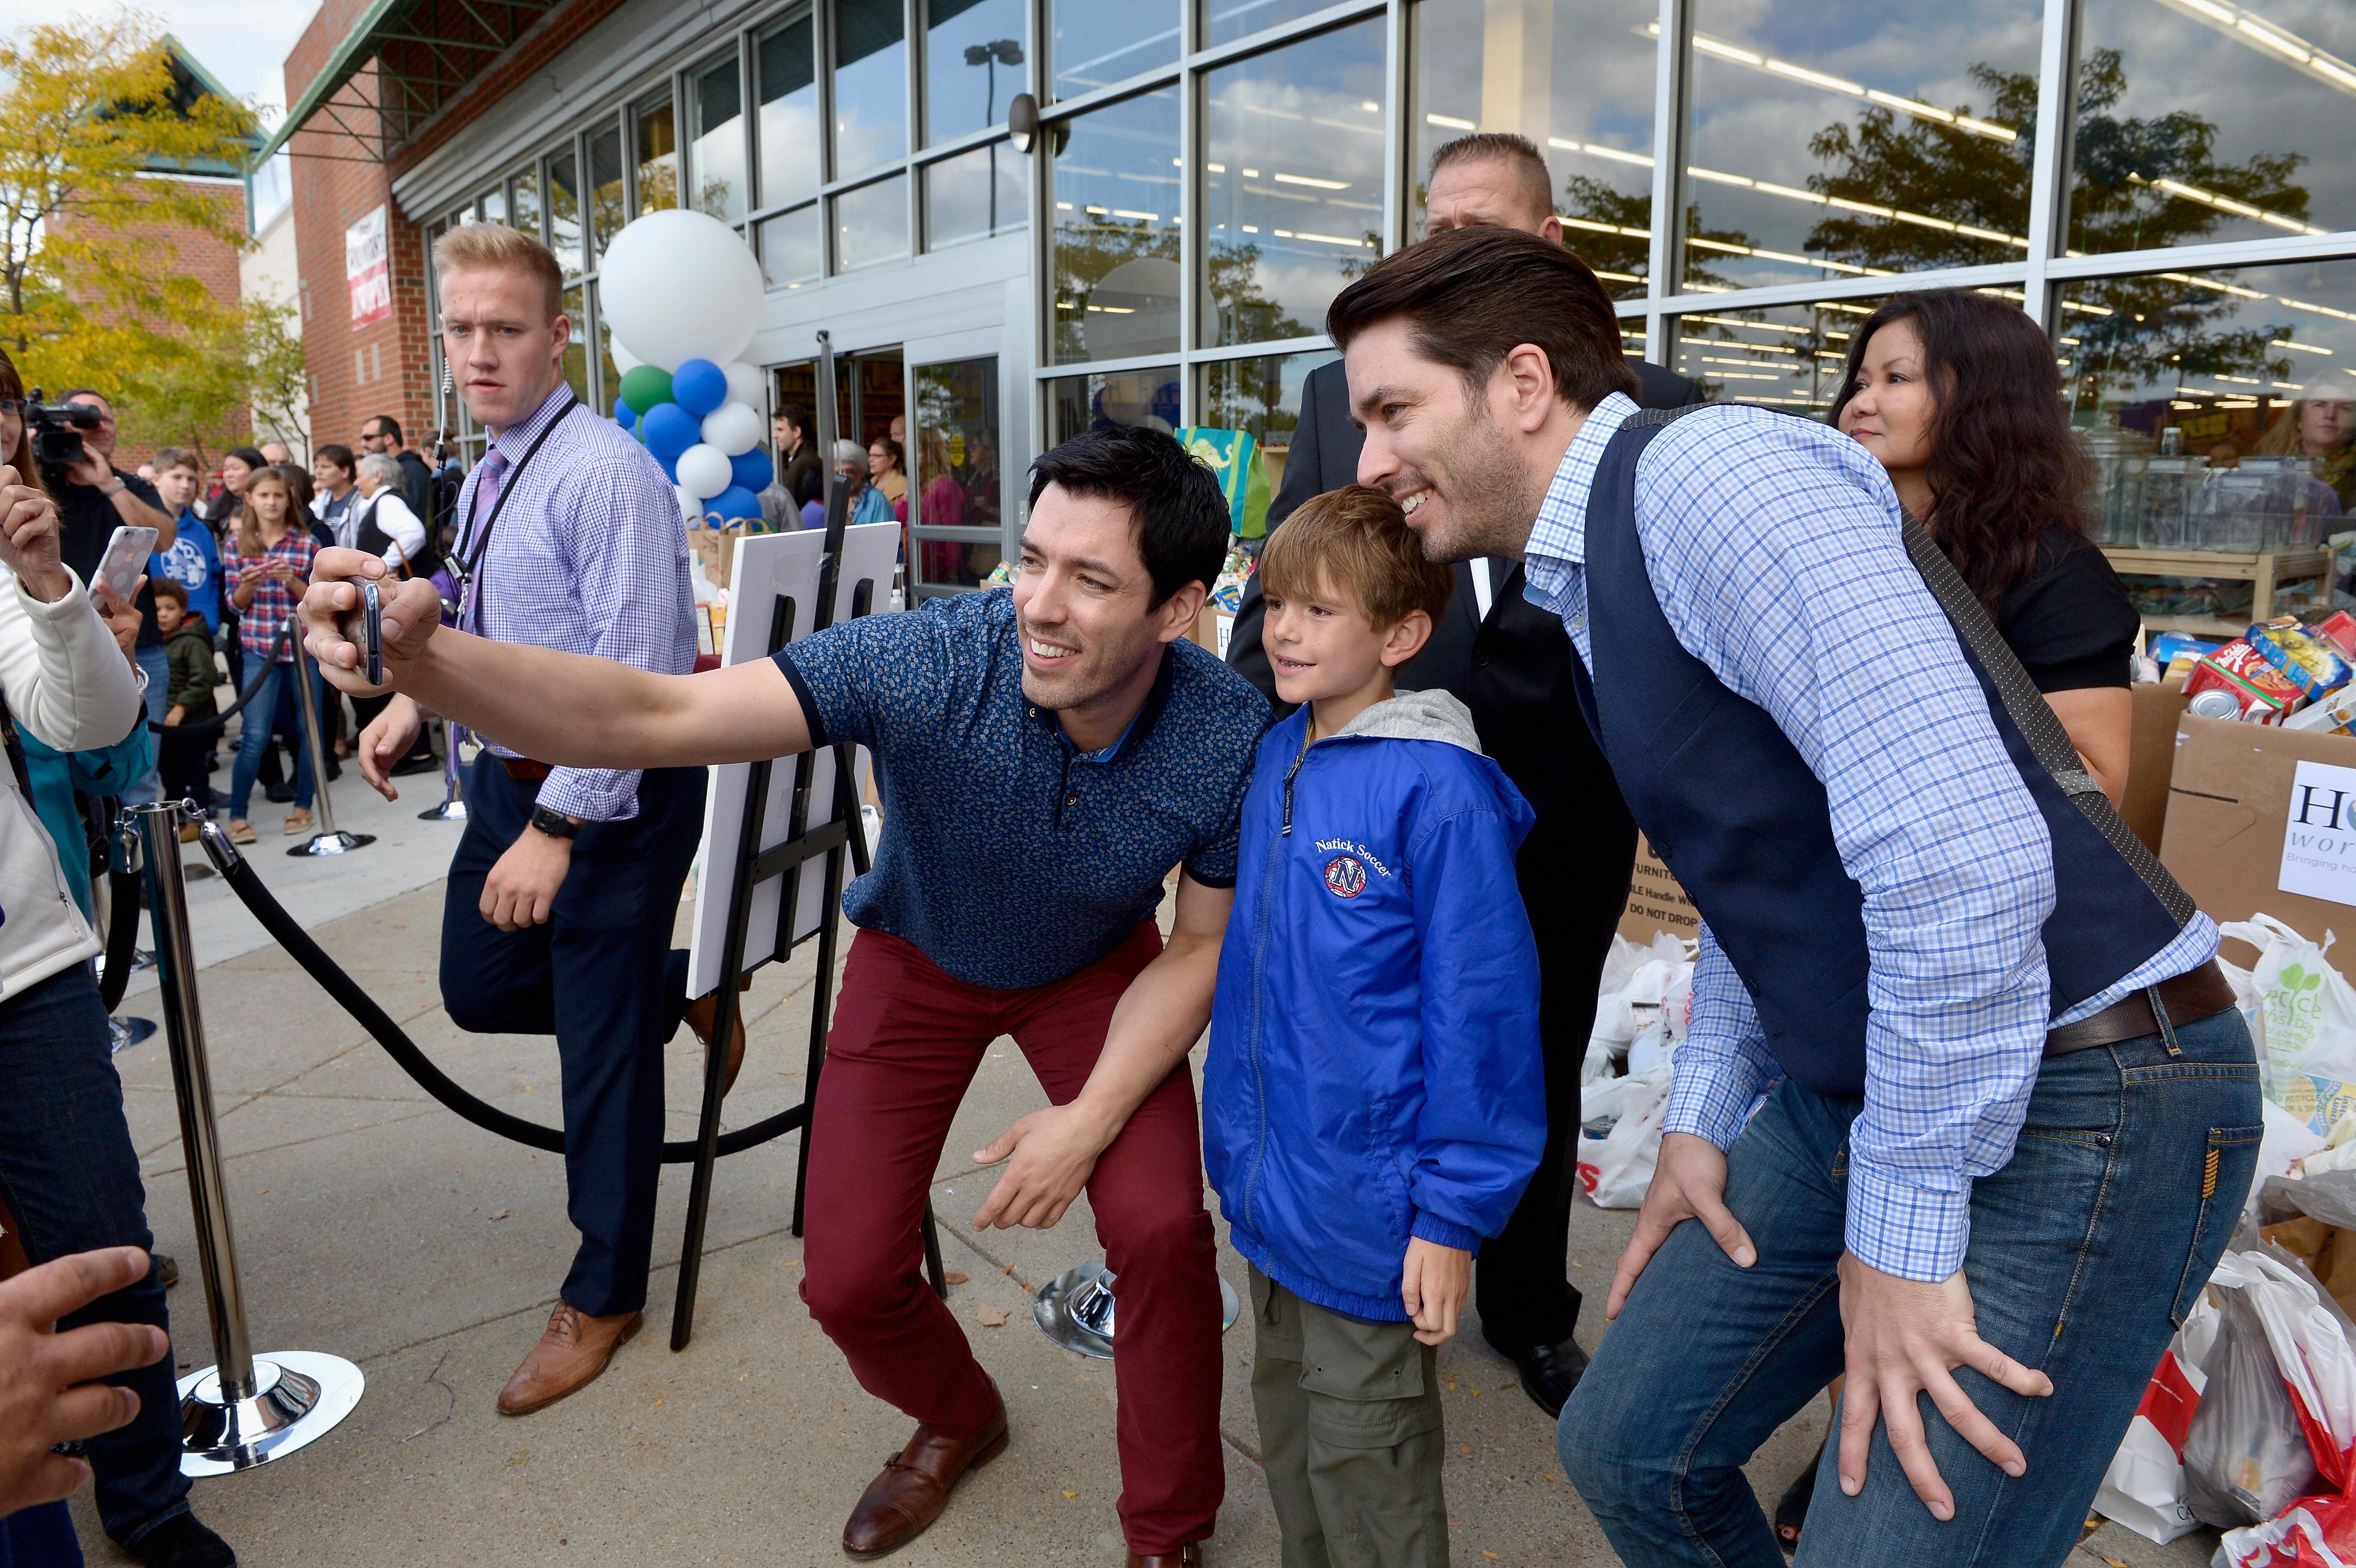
(599, 975)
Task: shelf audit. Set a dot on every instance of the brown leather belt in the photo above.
(2188, 999)
(523, 770)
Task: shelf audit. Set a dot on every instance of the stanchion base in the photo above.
(124, 1034)
(448, 811)
(1076, 1308)
(301, 1396)
(336, 843)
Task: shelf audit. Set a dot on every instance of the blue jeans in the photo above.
(2086, 1252)
(147, 788)
(41, 1536)
(72, 1180)
(276, 683)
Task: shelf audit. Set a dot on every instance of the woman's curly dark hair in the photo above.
(2005, 464)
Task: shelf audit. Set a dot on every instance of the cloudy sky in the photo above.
(243, 42)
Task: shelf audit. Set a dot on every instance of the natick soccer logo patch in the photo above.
(1346, 877)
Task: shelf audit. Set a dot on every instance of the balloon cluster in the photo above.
(682, 294)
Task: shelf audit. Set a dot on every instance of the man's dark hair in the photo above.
(1181, 517)
(71, 393)
(1518, 154)
(1472, 295)
(337, 453)
(391, 426)
(797, 416)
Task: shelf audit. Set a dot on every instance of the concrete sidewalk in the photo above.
(374, 1225)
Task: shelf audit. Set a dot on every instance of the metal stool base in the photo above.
(332, 843)
(1076, 1308)
(124, 1034)
(448, 811)
(300, 1397)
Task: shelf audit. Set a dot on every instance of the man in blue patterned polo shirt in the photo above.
(1046, 754)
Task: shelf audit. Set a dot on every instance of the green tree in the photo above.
(90, 288)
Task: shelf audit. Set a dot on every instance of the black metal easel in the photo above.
(789, 859)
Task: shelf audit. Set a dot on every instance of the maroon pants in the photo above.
(906, 1041)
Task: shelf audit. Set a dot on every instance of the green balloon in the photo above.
(644, 386)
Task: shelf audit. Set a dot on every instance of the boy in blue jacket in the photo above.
(1373, 1101)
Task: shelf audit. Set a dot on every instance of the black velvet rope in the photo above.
(240, 874)
(212, 726)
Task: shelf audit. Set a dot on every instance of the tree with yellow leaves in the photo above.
(96, 118)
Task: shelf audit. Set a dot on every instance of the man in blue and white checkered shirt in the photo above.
(1964, 1109)
(565, 889)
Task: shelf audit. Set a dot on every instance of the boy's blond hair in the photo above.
(494, 247)
(1355, 540)
(173, 457)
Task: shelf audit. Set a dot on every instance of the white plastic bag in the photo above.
(2246, 1456)
(2144, 1488)
(1617, 1167)
(2309, 1050)
(1645, 992)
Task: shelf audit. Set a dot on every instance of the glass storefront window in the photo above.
(1262, 396)
(658, 157)
(1098, 42)
(716, 107)
(870, 224)
(523, 197)
(605, 205)
(494, 205)
(1786, 356)
(565, 212)
(2217, 405)
(789, 139)
(1078, 404)
(977, 194)
(577, 352)
(2201, 122)
(1576, 78)
(792, 249)
(1833, 141)
(955, 469)
(612, 372)
(1114, 194)
(1293, 182)
(870, 85)
(973, 64)
(1227, 20)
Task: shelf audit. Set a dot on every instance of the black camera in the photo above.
(56, 430)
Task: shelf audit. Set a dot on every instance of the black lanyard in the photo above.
(463, 566)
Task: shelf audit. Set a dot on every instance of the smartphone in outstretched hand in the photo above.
(372, 631)
(124, 565)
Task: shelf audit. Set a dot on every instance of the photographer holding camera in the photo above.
(67, 1169)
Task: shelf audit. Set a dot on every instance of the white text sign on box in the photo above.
(2319, 856)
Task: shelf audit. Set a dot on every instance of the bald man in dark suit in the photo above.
(1509, 662)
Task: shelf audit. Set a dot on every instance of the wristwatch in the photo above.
(116, 488)
(555, 823)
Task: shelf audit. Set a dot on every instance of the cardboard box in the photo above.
(1655, 902)
(2151, 759)
(716, 548)
(2236, 798)
(1214, 629)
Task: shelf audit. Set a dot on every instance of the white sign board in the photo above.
(2319, 856)
(367, 270)
(767, 568)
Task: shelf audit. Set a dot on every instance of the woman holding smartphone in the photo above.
(268, 564)
(1958, 395)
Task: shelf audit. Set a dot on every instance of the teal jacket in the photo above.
(58, 775)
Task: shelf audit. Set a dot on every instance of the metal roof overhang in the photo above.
(426, 53)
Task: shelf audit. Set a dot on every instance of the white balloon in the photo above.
(744, 383)
(690, 505)
(734, 428)
(703, 470)
(623, 361)
(678, 285)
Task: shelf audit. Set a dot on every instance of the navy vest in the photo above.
(1727, 803)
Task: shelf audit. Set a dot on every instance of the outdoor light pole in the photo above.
(991, 55)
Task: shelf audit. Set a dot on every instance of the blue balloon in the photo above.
(624, 415)
(671, 430)
(735, 503)
(669, 466)
(751, 470)
(699, 385)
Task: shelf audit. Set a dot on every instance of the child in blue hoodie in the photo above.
(1373, 1102)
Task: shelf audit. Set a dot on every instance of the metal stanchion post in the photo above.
(454, 795)
(246, 1410)
(326, 841)
(1076, 1308)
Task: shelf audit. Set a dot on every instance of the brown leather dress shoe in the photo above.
(571, 1353)
(1187, 1556)
(915, 1485)
(702, 1013)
